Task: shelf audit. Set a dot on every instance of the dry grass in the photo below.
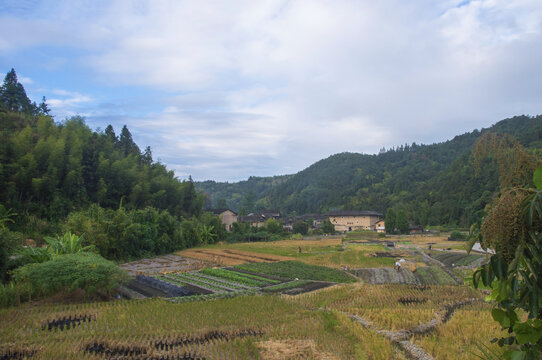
(292, 349)
(458, 339)
(227, 256)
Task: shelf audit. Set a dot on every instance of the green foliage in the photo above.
(328, 227)
(6, 216)
(300, 227)
(127, 234)
(402, 222)
(457, 235)
(297, 269)
(391, 221)
(515, 280)
(273, 226)
(67, 244)
(51, 169)
(86, 271)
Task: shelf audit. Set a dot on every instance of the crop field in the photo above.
(403, 307)
(226, 255)
(164, 264)
(452, 258)
(315, 325)
(327, 251)
(297, 269)
(251, 327)
(246, 279)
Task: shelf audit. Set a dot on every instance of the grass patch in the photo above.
(297, 269)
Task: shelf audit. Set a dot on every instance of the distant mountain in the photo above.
(434, 184)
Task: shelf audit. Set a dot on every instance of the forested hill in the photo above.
(434, 184)
(49, 169)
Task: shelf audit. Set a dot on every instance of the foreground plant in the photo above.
(513, 228)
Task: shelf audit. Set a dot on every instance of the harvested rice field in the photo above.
(162, 264)
(227, 256)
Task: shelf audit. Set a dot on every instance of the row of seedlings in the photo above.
(222, 282)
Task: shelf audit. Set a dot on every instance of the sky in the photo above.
(224, 90)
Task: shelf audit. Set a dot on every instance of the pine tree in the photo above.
(13, 96)
(126, 143)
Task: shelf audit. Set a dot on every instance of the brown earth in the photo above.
(292, 349)
(227, 257)
(162, 264)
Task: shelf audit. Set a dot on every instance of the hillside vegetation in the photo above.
(434, 184)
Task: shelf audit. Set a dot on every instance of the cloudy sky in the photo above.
(224, 90)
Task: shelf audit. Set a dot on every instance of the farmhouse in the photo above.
(227, 217)
(380, 226)
(354, 220)
(258, 219)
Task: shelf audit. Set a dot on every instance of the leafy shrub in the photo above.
(300, 227)
(87, 271)
(457, 235)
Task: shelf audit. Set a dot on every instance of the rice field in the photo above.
(241, 328)
(313, 325)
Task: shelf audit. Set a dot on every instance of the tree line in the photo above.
(432, 184)
(59, 177)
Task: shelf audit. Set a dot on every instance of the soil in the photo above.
(162, 264)
(292, 349)
(145, 289)
(227, 257)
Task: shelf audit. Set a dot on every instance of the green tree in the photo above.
(273, 226)
(13, 96)
(328, 227)
(126, 143)
(391, 221)
(300, 227)
(402, 222)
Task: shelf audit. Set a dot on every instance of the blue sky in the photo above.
(224, 90)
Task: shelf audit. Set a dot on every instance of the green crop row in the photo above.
(245, 279)
(297, 269)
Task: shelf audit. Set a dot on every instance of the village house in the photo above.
(354, 220)
(380, 226)
(259, 219)
(226, 216)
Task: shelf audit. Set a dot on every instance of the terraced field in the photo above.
(227, 256)
(451, 258)
(248, 279)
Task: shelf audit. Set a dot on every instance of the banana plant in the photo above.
(67, 244)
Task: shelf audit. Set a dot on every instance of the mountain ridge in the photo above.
(415, 178)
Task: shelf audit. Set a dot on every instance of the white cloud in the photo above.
(290, 82)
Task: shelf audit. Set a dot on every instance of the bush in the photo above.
(457, 235)
(86, 271)
(300, 227)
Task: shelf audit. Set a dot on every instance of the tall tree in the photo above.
(13, 96)
(391, 221)
(402, 222)
(126, 142)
